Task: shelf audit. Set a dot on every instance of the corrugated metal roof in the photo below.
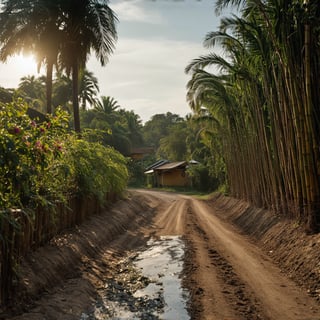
(157, 164)
(171, 165)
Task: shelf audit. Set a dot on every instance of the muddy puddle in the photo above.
(147, 285)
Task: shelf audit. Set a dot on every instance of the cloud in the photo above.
(134, 11)
(148, 76)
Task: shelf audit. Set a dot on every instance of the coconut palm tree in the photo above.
(89, 25)
(88, 89)
(67, 29)
(32, 26)
(108, 105)
(33, 90)
(134, 127)
(31, 86)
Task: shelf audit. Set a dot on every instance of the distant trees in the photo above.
(32, 89)
(6, 95)
(159, 127)
(118, 127)
(173, 146)
(87, 93)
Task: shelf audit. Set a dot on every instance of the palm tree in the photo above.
(67, 29)
(108, 105)
(107, 111)
(32, 26)
(88, 25)
(88, 89)
(33, 90)
(133, 126)
(31, 86)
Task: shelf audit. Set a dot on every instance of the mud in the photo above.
(147, 285)
(239, 263)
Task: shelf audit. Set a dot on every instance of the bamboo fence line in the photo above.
(29, 232)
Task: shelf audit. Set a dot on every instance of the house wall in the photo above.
(175, 177)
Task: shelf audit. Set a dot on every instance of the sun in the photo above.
(16, 67)
(26, 64)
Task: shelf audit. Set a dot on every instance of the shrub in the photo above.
(95, 169)
(41, 165)
(28, 153)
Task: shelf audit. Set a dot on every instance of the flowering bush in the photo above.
(27, 152)
(44, 162)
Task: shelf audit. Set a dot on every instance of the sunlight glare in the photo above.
(16, 67)
(26, 64)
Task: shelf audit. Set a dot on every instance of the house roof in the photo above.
(171, 165)
(156, 164)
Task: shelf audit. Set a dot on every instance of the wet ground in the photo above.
(147, 286)
(107, 269)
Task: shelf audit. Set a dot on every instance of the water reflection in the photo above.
(163, 262)
(147, 287)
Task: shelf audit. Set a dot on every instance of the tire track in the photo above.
(228, 290)
(172, 220)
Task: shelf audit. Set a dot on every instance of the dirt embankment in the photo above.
(296, 253)
(62, 279)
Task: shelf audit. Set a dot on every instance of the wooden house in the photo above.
(169, 174)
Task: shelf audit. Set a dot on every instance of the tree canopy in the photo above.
(61, 33)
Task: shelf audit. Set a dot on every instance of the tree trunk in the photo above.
(49, 87)
(311, 171)
(75, 99)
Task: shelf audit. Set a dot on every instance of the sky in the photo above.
(156, 41)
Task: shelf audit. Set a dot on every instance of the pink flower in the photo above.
(58, 146)
(38, 144)
(16, 130)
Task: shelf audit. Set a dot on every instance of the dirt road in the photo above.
(228, 276)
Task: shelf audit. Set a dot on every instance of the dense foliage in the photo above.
(45, 170)
(29, 151)
(184, 139)
(118, 127)
(43, 162)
